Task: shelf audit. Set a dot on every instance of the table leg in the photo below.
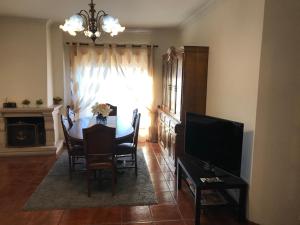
(179, 173)
(197, 206)
(242, 204)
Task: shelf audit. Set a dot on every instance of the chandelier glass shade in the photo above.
(92, 23)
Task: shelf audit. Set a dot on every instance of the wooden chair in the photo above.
(99, 145)
(130, 148)
(75, 151)
(134, 117)
(70, 115)
(114, 110)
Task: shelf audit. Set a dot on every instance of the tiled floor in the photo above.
(19, 177)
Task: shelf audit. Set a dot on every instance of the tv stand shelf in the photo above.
(194, 170)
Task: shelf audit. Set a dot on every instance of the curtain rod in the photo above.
(118, 45)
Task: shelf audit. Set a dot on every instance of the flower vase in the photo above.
(101, 118)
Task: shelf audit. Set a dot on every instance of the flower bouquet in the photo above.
(101, 110)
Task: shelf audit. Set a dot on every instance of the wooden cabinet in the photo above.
(184, 80)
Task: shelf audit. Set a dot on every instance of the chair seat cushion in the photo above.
(125, 148)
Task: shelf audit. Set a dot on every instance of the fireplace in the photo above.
(30, 131)
(25, 131)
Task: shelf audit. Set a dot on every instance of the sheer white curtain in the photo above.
(120, 76)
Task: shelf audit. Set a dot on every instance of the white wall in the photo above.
(57, 60)
(254, 77)
(23, 59)
(233, 31)
(275, 192)
(49, 65)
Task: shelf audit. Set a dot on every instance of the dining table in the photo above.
(124, 129)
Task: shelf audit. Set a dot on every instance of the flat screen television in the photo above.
(215, 141)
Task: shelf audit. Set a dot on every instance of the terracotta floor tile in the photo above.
(154, 168)
(169, 176)
(157, 177)
(165, 212)
(161, 161)
(107, 215)
(139, 223)
(172, 185)
(45, 217)
(160, 186)
(14, 218)
(20, 176)
(189, 222)
(77, 216)
(164, 168)
(174, 222)
(165, 197)
(136, 214)
(187, 210)
(104, 224)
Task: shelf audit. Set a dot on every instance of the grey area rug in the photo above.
(57, 191)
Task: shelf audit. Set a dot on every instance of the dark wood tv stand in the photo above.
(194, 170)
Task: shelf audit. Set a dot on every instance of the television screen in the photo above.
(215, 141)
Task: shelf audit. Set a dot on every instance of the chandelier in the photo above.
(92, 23)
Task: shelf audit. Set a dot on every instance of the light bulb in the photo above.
(97, 33)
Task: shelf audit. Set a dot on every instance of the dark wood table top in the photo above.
(124, 129)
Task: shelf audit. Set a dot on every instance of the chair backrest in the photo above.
(66, 135)
(134, 116)
(136, 130)
(113, 111)
(70, 115)
(99, 141)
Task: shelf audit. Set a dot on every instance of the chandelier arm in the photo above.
(83, 13)
(99, 16)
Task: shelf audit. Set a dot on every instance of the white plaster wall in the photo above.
(57, 60)
(23, 59)
(233, 31)
(49, 65)
(274, 194)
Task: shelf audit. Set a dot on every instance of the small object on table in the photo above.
(211, 179)
(57, 100)
(25, 102)
(100, 118)
(9, 105)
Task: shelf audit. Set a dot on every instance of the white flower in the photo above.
(102, 109)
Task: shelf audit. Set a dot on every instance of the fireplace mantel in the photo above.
(51, 123)
(27, 110)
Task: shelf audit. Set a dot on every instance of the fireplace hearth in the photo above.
(25, 131)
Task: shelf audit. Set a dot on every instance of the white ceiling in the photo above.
(131, 13)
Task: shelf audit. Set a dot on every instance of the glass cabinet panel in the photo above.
(173, 85)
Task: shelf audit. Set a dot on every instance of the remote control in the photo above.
(211, 179)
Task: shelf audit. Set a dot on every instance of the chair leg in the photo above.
(73, 163)
(114, 179)
(88, 173)
(70, 167)
(135, 163)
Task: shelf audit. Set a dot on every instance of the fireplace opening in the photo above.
(25, 131)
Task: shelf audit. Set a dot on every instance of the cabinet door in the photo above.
(173, 81)
(164, 83)
(164, 136)
(172, 146)
(178, 85)
(169, 85)
(159, 133)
